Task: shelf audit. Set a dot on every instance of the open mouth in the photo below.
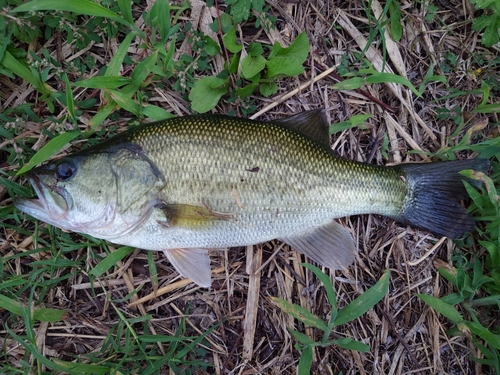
(51, 204)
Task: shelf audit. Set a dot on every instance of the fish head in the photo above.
(77, 193)
(104, 192)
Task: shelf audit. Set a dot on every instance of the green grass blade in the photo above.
(50, 149)
(117, 60)
(126, 10)
(485, 334)
(19, 69)
(103, 82)
(327, 283)
(70, 102)
(349, 84)
(365, 301)
(390, 77)
(156, 113)
(305, 361)
(300, 337)
(82, 368)
(11, 305)
(86, 7)
(125, 102)
(298, 312)
(351, 344)
(144, 68)
(111, 260)
(442, 307)
(99, 117)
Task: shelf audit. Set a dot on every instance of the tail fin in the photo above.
(434, 191)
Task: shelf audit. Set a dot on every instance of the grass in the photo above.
(422, 84)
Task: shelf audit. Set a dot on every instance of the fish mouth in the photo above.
(52, 203)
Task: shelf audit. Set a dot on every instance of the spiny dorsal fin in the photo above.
(311, 124)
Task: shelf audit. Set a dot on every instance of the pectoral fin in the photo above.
(187, 215)
(191, 263)
(331, 245)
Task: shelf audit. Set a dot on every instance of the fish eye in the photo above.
(65, 169)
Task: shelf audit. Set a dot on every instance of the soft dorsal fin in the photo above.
(311, 124)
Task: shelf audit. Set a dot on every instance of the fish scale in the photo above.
(188, 184)
(195, 155)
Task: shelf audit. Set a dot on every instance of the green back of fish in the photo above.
(234, 165)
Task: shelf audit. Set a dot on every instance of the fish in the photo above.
(187, 185)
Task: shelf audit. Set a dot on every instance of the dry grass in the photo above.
(404, 334)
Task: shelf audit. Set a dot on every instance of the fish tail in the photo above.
(434, 191)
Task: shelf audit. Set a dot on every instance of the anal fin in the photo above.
(331, 245)
(193, 264)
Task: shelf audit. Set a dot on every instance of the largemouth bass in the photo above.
(189, 184)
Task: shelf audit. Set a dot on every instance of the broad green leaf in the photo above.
(240, 10)
(206, 93)
(298, 312)
(86, 7)
(493, 250)
(365, 301)
(250, 66)
(54, 145)
(255, 49)
(231, 41)
(111, 260)
(211, 47)
(300, 337)
(246, 91)
(103, 82)
(442, 307)
(48, 315)
(164, 22)
(268, 88)
(288, 61)
(395, 19)
(305, 361)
